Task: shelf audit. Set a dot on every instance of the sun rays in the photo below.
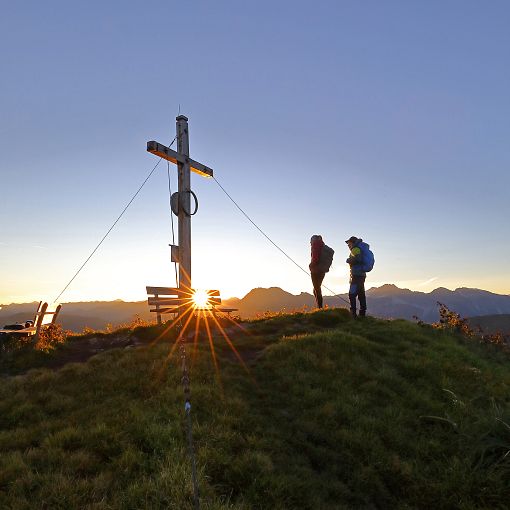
(199, 322)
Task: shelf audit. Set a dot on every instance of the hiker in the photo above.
(361, 260)
(322, 258)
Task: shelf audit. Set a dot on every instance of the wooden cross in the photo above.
(182, 253)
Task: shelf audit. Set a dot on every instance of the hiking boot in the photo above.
(354, 315)
(362, 313)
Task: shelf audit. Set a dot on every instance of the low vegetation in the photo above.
(453, 322)
(329, 413)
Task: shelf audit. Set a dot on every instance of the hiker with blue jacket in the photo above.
(322, 258)
(361, 260)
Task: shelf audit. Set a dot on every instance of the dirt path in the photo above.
(80, 350)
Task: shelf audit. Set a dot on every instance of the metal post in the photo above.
(185, 201)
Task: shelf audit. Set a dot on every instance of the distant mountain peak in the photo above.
(387, 289)
(260, 291)
(442, 290)
(471, 291)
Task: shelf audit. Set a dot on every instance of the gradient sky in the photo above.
(387, 120)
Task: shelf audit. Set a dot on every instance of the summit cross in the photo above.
(181, 201)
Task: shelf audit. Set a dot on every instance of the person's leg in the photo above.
(353, 292)
(362, 296)
(320, 279)
(317, 292)
(317, 279)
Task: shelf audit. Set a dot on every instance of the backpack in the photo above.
(368, 257)
(326, 258)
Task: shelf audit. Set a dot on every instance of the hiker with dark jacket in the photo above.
(316, 271)
(322, 257)
(358, 276)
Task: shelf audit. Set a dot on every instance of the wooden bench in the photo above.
(44, 316)
(172, 300)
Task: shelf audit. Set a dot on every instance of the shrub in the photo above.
(50, 337)
(448, 319)
(452, 321)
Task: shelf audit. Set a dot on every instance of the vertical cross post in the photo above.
(185, 202)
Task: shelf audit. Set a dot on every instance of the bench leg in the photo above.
(158, 315)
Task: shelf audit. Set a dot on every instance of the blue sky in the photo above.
(387, 120)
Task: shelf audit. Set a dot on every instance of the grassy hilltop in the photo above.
(333, 414)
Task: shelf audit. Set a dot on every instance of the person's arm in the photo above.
(355, 257)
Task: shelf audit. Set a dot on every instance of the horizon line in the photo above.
(268, 288)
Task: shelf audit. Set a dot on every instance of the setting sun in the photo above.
(201, 299)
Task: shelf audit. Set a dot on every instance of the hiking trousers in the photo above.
(357, 290)
(317, 278)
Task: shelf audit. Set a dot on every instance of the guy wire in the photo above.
(272, 242)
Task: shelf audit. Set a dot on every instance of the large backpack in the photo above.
(326, 258)
(368, 257)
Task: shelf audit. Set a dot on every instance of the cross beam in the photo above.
(184, 165)
(175, 158)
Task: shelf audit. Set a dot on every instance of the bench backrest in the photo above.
(173, 296)
(173, 300)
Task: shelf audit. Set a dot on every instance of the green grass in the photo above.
(334, 414)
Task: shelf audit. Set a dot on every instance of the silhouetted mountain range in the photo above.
(387, 301)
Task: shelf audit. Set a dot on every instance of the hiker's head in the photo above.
(352, 241)
(315, 238)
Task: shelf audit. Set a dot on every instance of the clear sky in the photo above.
(386, 120)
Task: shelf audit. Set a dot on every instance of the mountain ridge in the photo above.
(385, 301)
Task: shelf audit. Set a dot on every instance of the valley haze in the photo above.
(386, 301)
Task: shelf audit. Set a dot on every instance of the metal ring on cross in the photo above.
(176, 203)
